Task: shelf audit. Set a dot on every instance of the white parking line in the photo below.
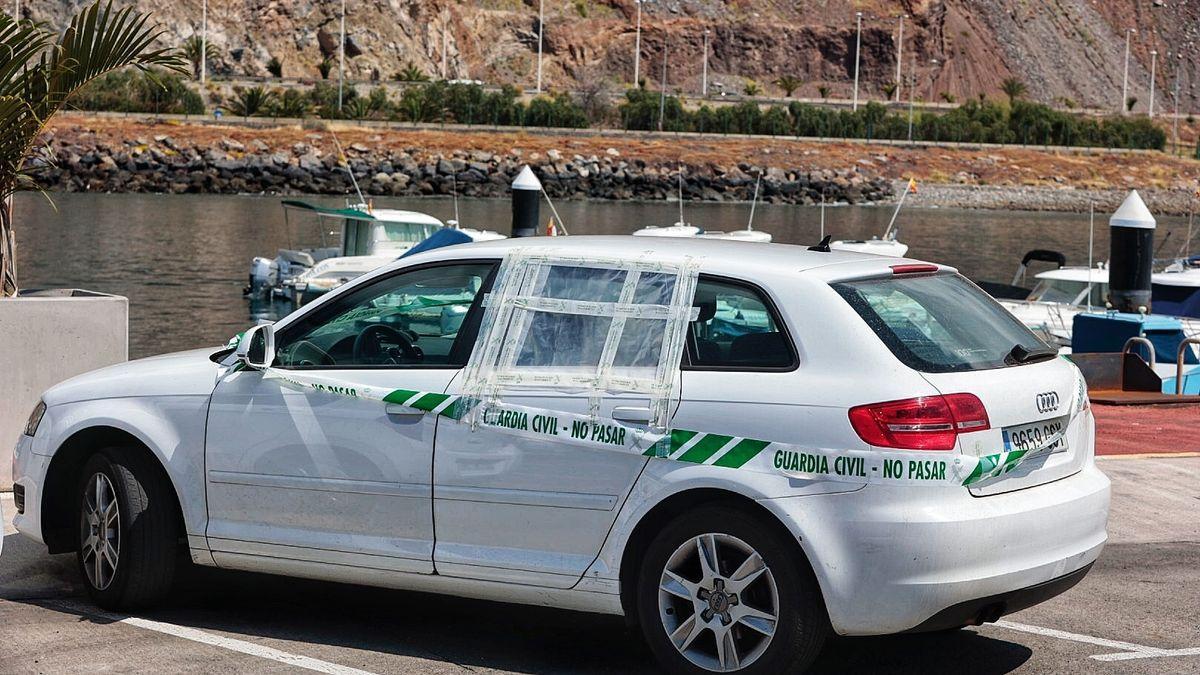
(1128, 651)
(195, 635)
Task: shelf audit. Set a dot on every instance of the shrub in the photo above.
(973, 121)
(135, 91)
(290, 103)
(275, 67)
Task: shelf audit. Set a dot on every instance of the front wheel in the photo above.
(721, 591)
(128, 531)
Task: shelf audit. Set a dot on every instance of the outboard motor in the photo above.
(1131, 256)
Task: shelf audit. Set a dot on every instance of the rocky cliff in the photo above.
(1068, 52)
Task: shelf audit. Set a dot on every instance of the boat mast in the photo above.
(757, 181)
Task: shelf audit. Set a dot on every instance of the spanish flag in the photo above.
(912, 185)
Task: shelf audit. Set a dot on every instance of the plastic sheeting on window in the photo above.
(591, 325)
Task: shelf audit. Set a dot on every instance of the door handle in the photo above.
(397, 410)
(631, 414)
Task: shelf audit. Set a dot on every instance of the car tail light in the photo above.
(922, 423)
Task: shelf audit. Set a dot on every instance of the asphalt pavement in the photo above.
(1137, 612)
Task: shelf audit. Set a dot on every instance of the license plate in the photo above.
(1035, 435)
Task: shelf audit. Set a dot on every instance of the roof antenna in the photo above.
(822, 247)
(750, 223)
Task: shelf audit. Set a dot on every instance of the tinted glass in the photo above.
(736, 328)
(938, 324)
(411, 318)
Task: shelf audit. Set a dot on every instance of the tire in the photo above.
(801, 625)
(144, 540)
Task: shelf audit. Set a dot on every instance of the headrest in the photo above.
(706, 300)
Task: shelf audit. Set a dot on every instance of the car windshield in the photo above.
(940, 323)
(1070, 292)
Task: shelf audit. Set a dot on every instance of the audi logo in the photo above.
(1047, 401)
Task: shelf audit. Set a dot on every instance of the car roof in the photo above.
(718, 255)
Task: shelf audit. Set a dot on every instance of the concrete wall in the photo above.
(45, 338)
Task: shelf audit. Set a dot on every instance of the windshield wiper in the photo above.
(1022, 354)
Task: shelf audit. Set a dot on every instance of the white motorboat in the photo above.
(889, 246)
(1059, 294)
(369, 238)
(676, 230)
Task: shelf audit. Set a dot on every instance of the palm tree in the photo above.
(888, 90)
(789, 84)
(752, 88)
(38, 74)
(411, 73)
(250, 101)
(191, 51)
(823, 91)
(948, 97)
(1013, 88)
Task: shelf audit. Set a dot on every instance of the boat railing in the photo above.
(1184, 347)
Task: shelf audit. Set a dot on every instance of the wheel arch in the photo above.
(671, 507)
(62, 475)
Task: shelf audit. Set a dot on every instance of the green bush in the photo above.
(472, 104)
(971, 122)
(143, 92)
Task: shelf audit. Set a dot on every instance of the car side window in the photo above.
(412, 318)
(737, 329)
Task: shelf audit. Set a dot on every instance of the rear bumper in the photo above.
(989, 609)
(891, 559)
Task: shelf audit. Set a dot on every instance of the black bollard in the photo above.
(1131, 255)
(526, 203)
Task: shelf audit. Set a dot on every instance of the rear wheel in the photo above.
(128, 531)
(720, 591)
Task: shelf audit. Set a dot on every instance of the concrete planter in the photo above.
(45, 338)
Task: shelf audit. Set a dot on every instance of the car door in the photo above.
(530, 510)
(313, 476)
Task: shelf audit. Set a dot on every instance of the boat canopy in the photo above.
(325, 211)
(376, 231)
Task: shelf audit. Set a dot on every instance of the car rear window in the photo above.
(938, 324)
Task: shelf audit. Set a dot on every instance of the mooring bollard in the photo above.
(1131, 255)
(526, 203)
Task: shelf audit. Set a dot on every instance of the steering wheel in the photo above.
(368, 345)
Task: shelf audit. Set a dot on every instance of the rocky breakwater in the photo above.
(162, 163)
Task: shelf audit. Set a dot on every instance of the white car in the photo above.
(876, 385)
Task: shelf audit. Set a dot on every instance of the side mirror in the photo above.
(257, 347)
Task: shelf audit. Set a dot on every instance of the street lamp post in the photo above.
(541, 21)
(857, 53)
(203, 39)
(704, 81)
(933, 79)
(1125, 79)
(899, 56)
(637, 44)
(1175, 121)
(662, 95)
(912, 88)
(342, 57)
(443, 49)
(1153, 66)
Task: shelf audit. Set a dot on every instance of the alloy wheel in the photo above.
(718, 602)
(100, 532)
